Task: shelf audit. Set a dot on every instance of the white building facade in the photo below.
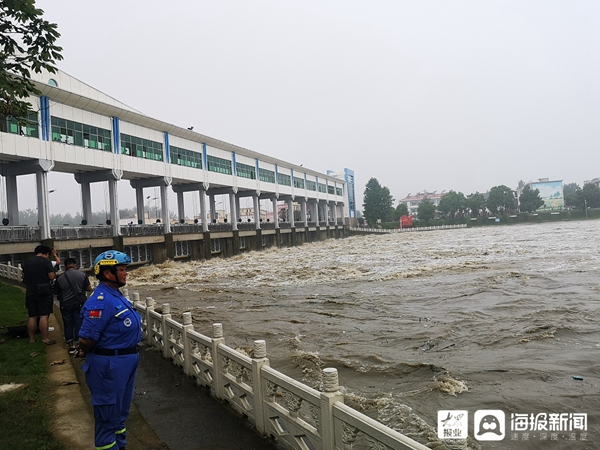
(74, 128)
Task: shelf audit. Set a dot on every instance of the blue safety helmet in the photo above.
(110, 258)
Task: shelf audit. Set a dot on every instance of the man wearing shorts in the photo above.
(38, 273)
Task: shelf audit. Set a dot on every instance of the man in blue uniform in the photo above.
(109, 335)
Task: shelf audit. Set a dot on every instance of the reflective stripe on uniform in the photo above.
(121, 431)
(107, 446)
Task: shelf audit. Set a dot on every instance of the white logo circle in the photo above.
(127, 322)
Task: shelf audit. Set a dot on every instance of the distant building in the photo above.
(551, 192)
(412, 201)
(350, 194)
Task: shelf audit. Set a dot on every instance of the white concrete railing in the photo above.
(11, 272)
(406, 230)
(297, 416)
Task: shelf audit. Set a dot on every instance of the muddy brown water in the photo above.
(496, 318)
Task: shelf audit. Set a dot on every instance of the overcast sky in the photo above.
(422, 95)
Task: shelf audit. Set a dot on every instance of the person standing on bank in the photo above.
(109, 335)
(70, 287)
(38, 274)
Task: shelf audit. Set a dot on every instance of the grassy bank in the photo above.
(24, 413)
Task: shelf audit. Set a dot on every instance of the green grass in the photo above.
(24, 413)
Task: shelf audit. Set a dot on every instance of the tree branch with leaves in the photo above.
(27, 43)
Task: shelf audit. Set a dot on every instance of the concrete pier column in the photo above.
(233, 203)
(303, 214)
(256, 211)
(164, 203)
(139, 205)
(237, 207)
(211, 204)
(314, 209)
(290, 203)
(41, 180)
(86, 202)
(202, 194)
(180, 206)
(335, 216)
(114, 207)
(275, 213)
(12, 200)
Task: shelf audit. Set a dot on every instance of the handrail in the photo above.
(11, 272)
(296, 415)
(406, 230)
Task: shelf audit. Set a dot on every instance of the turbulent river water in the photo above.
(492, 318)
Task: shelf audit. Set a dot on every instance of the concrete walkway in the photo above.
(169, 411)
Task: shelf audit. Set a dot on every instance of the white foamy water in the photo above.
(486, 318)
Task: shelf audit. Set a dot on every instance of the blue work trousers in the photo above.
(111, 381)
(72, 319)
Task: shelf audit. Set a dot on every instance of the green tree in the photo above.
(501, 199)
(452, 204)
(571, 196)
(530, 200)
(401, 210)
(27, 43)
(377, 202)
(426, 211)
(590, 196)
(476, 203)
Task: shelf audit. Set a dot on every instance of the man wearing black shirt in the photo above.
(38, 273)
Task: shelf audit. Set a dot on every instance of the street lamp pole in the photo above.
(585, 205)
(148, 206)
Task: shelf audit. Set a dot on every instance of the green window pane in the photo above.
(33, 132)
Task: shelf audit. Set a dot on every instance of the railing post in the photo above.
(329, 397)
(150, 303)
(217, 359)
(258, 361)
(187, 348)
(166, 314)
